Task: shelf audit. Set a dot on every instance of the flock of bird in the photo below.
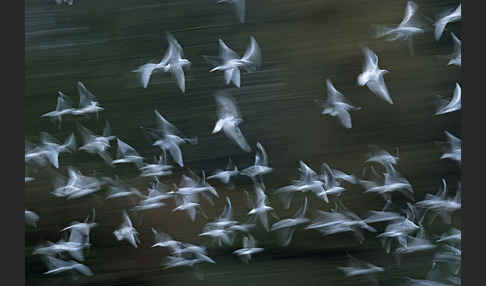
(405, 230)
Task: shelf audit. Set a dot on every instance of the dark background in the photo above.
(303, 43)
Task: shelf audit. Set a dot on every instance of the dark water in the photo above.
(303, 43)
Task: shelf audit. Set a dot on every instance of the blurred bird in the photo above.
(127, 154)
(337, 105)
(231, 63)
(63, 107)
(453, 105)
(164, 240)
(445, 18)
(156, 194)
(259, 206)
(357, 267)
(457, 55)
(57, 265)
(454, 150)
(229, 119)
(88, 103)
(249, 248)
(76, 186)
(126, 231)
(260, 167)
(239, 7)
(285, 228)
(31, 218)
(372, 76)
(95, 144)
(225, 175)
(171, 62)
(49, 150)
(118, 189)
(439, 204)
(160, 168)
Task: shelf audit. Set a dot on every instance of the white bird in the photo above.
(260, 167)
(57, 265)
(171, 62)
(80, 231)
(189, 204)
(457, 55)
(239, 7)
(225, 175)
(440, 204)
(454, 150)
(383, 158)
(358, 267)
(308, 181)
(31, 218)
(126, 231)
(160, 168)
(372, 76)
(63, 107)
(76, 186)
(68, 2)
(453, 105)
(231, 63)
(445, 18)
(164, 240)
(416, 243)
(405, 30)
(156, 194)
(127, 154)
(332, 180)
(119, 189)
(452, 235)
(337, 105)
(259, 207)
(49, 150)
(286, 227)
(228, 120)
(95, 144)
(249, 248)
(88, 103)
(391, 183)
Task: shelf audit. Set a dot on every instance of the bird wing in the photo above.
(253, 53)
(85, 96)
(145, 72)
(178, 73)
(225, 52)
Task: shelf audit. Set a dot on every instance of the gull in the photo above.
(79, 231)
(286, 227)
(423, 282)
(405, 30)
(29, 179)
(445, 18)
(57, 265)
(336, 222)
(249, 248)
(419, 242)
(225, 220)
(453, 105)
(87, 102)
(68, 2)
(239, 6)
(383, 158)
(118, 189)
(457, 55)
(171, 62)
(454, 150)
(450, 255)
(244, 228)
(330, 178)
(189, 204)
(76, 186)
(228, 120)
(155, 197)
(49, 150)
(260, 167)
(63, 107)
(453, 235)
(337, 105)
(31, 218)
(220, 229)
(357, 267)
(308, 181)
(231, 63)
(196, 251)
(382, 216)
(164, 240)
(127, 232)
(372, 76)
(73, 246)
(195, 186)
(95, 144)
(127, 154)
(391, 183)
(441, 205)
(259, 208)
(166, 138)
(225, 175)
(161, 168)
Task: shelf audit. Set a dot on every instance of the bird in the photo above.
(31, 218)
(57, 265)
(239, 7)
(80, 231)
(405, 30)
(308, 181)
(76, 186)
(457, 55)
(439, 204)
(372, 76)
(383, 158)
(225, 175)
(445, 18)
(416, 243)
(160, 168)
(167, 137)
(126, 231)
(228, 120)
(171, 62)
(118, 189)
(156, 194)
(88, 103)
(285, 228)
(249, 248)
(164, 240)
(63, 107)
(260, 167)
(127, 154)
(259, 206)
(49, 150)
(230, 63)
(357, 267)
(454, 150)
(337, 105)
(450, 106)
(391, 183)
(220, 229)
(95, 144)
